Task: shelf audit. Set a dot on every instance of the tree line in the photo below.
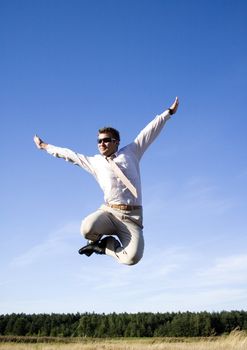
(142, 324)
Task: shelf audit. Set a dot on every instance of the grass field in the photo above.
(235, 341)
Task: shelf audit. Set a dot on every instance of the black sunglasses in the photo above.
(105, 140)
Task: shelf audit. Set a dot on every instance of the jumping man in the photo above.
(115, 229)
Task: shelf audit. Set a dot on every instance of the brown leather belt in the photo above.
(124, 206)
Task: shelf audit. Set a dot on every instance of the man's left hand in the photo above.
(174, 106)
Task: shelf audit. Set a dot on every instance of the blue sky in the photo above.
(71, 67)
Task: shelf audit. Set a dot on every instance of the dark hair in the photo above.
(114, 132)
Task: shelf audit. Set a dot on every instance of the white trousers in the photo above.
(126, 225)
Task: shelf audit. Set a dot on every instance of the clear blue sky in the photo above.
(70, 67)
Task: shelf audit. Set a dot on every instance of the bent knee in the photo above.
(87, 227)
(83, 228)
(132, 260)
(133, 256)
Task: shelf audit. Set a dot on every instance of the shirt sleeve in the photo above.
(71, 156)
(150, 132)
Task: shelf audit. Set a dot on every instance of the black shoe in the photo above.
(97, 247)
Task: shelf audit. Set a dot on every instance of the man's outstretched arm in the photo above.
(58, 152)
(65, 153)
(152, 130)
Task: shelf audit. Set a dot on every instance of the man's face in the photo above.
(107, 145)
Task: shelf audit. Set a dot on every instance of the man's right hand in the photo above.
(39, 143)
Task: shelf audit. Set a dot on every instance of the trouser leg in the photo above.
(128, 229)
(131, 249)
(97, 224)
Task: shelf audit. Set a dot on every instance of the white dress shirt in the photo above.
(127, 158)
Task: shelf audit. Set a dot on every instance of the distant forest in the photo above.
(143, 324)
